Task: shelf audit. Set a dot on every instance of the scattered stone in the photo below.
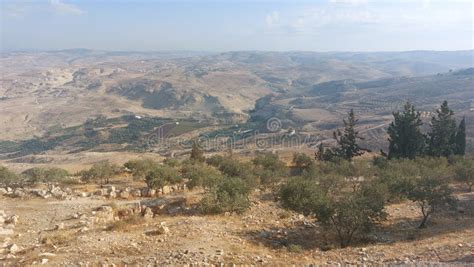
(148, 213)
(124, 194)
(5, 232)
(13, 248)
(59, 226)
(46, 255)
(105, 208)
(136, 193)
(19, 193)
(162, 229)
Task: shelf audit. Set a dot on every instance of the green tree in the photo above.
(405, 137)
(162, 175)
(230, 195)
(233, 168)
(269, 168)
(45, 175)
(347, 140)
(464, 172)
(197, 154)
(431, 193)
(302, 161)
(201, 175)
(443, 132)
(9, 178)
(215, 160)
(140, 167)
(100, 172)
(460, 140)
(347, 210)
(326, 154)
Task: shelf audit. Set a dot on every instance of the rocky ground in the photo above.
(82, 227)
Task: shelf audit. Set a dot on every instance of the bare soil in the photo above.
(264, 235)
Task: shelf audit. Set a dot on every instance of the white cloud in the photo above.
(272, 18)
(64, 8)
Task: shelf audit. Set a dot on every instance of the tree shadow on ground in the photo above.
(443, 222)
(309, 235)
(466, 259)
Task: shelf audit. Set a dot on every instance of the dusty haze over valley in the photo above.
(239, 133)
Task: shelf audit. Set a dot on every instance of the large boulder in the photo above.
(5, 232)
(57, 192)
(124, 194)
(147, 192)
(104, 214)
(12, 220)
(166, 189)
(136, 193)
(147, 213)
(19, 193)
(113, 194)
(163, 229)
(3, 191)
(101, 192)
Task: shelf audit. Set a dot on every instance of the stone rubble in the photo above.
(7, 225)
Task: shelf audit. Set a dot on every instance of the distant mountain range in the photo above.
(309, 91)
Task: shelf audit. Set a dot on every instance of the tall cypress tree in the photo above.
(347, 140)
(197, 154)
(460, 140)
(405, 137)
(443, 132)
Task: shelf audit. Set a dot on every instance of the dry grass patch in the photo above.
(59, 238)
(126, 224)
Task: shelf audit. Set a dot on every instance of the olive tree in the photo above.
(230, 195)
(347, 210)
(45, 175)
(9, 178)
(464, 172)
(200, 175)
(162, 175)
(431, 193)
(100, 172)
(269, 168)
(140, 167)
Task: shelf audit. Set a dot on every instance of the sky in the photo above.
(326, 25)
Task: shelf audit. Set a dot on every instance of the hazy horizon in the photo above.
(225, 51)
(216, 26)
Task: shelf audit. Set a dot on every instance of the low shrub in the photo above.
(347, 210)
(140, 167)
(201, 175)
(162, 175)
(100, 172)
(46, 175)
(230, 195)
(9, 178)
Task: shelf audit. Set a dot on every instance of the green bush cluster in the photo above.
(46, 175)
(9, 178)
(349, 197)
(34, 176)
(162, 175)
(100, 172)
